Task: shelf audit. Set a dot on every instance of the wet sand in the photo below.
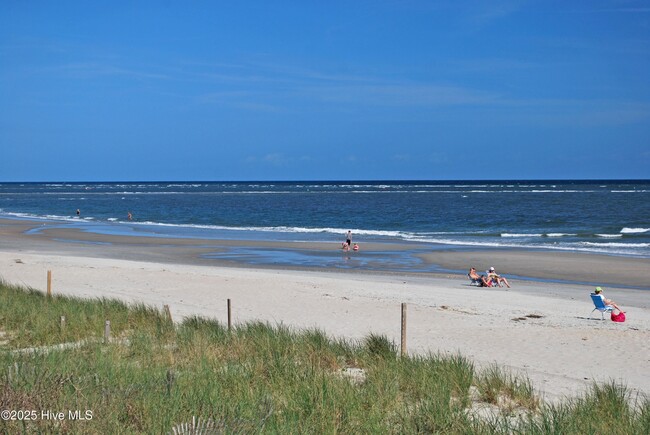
(569, 268)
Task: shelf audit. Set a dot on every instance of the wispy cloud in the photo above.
(578, 113)
(402, 158)
(98, 69)
(403, 94)
(280, 85)
(481, 65)
(476, 15)
(273, 87)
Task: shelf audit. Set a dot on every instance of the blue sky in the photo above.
(307, 90)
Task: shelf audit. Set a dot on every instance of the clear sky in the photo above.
(324, 90)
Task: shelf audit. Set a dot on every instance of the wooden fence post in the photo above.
(49, 283)
(107, 331)
(168, 312)
(170, 381)
(229, 315)
(62, 323)
(403, 348)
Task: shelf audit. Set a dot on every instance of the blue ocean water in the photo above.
(608, 216)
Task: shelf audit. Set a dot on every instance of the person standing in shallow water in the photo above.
(348, 238)
(78, 212)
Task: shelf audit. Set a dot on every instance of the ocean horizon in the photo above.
(609, 217)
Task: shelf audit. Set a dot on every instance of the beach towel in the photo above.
(620, 317)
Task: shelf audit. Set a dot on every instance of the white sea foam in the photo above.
(520, 235)
(616, 245)
(561, 191)
(605, 248)
(441, 238)
(184, 186)
(610, 236)
(634, 230)
(53, 217)
(561, 235)
(284, 229)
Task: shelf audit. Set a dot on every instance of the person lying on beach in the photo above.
(493, 276)
(475, 277)
(599, 292)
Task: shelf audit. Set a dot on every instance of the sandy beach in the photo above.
(540, 329)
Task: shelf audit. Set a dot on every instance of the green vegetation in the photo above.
(154, 376)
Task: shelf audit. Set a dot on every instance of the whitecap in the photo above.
(634, 230)
(616, 245)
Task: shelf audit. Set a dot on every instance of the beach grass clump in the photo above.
(379, 346)
(29, 318)
(260, 378)
(430, 393)
(607, 408)
(508, 392)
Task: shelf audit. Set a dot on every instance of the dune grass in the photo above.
(259, 378)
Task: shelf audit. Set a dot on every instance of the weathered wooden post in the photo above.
(107, 331)
(49, 283)
(229, 315)
(403, 349)
(168, 312)
(170, 381)
(62, 323)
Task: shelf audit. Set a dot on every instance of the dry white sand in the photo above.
(562, 352)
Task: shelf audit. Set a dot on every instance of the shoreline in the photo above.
(539, 266)
(538, 329)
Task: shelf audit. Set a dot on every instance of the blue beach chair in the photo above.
(600, 306)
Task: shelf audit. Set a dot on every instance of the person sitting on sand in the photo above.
(346, 246)
(481, 280)
(599, 292)
(493, 276)
(355, 247)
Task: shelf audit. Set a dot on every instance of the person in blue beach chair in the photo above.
(607, 302)
(604, 305)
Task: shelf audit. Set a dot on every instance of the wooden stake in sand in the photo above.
(107, 331)
(171, 376)
(229, 315)
(403, 350)
(62, 323)
(168, 312)
(49, 283)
